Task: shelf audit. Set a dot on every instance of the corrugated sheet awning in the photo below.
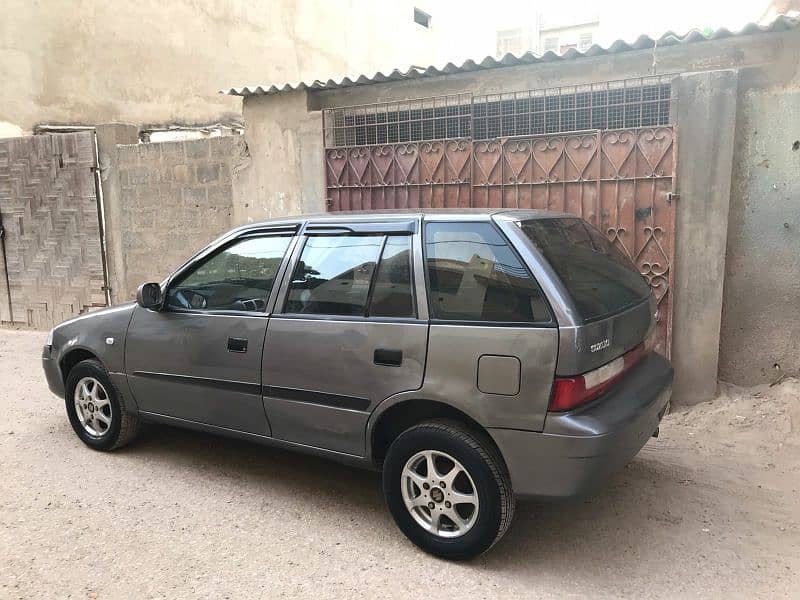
(644, 42)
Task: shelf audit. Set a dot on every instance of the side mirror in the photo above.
(149, 295)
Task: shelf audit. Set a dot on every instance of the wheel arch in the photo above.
(73, 357)
(394, 419)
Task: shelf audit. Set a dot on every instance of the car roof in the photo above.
(428, 214)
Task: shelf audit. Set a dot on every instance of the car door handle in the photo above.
(388, 358)
(237, 344)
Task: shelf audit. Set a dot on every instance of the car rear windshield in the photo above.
(601, 279)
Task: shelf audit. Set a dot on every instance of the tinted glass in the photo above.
(392, 295)
(333, 275)
(238, 278)
(599, 277)
(474, 276)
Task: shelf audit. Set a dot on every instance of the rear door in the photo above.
(346, 335)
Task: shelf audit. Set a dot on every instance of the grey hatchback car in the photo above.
(473, 356)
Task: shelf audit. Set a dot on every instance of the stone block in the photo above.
(173, 152)
(197, 149)
(194, 196)
(181, 173)
(207, 173)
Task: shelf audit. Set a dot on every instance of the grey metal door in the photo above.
(199, 357)
(348, 336)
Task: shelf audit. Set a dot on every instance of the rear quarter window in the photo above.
(474, 275)
(599, 277)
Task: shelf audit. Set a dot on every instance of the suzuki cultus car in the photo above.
(474, 357)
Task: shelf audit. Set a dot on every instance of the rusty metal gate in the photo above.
(604, 152)
(51, 261)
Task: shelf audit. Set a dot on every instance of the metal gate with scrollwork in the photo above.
(619, 178)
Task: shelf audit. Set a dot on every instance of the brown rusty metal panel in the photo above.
(637, 211)
(620, 180)
(49, 212)
(428, 174)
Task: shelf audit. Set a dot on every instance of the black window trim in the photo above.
(368, 228)
(374, 278)
(286, 232)
(411, 285)
(551, 324)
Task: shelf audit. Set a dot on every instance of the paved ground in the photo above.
(710, 508)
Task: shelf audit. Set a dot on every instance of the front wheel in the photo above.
(448, 489)
(96, 408)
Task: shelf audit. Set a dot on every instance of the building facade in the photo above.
(161, 63)
(701, 115)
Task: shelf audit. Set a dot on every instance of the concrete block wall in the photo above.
(760, 335)
(165, 201)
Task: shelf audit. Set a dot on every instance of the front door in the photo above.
(347, 337)
(199, 357)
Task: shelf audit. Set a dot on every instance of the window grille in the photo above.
(642, 102)
(433, 118)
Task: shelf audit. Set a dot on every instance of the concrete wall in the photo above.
(760, 338)
(705, 110)
(764, 114)
(152, 62)
(164, 201)
(283, 177)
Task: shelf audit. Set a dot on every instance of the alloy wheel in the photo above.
(439, 493)
(93, 406)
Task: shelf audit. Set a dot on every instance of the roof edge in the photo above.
(643, 42)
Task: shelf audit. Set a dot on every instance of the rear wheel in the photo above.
(96, 408)
(447, 489)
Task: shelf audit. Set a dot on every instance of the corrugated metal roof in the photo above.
(781, 23)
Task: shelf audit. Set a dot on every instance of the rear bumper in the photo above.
(52, 373)
(580, 449)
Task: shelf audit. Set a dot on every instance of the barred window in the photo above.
(643, 102)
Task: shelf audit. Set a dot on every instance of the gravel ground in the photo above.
(709, 509)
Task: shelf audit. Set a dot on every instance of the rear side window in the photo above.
(333, 275)
(475, 276)
(337, 275)
(599, 277)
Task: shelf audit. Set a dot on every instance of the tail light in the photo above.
(571, 392)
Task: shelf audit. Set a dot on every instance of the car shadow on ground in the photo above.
(626, 518)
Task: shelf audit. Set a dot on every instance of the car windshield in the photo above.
(599, 277)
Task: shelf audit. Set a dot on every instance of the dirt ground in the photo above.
(709, 509)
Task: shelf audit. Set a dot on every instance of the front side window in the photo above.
(475, 276)
(333, 275)
(240, 277)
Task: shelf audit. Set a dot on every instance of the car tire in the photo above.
(98, 411)
(480, 522)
